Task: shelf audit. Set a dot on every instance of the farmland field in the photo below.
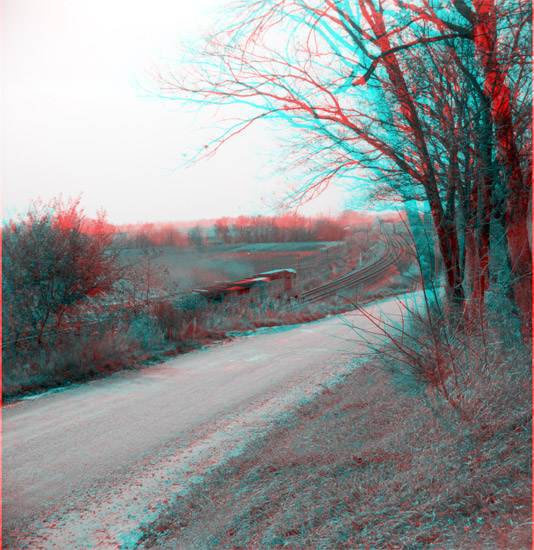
(191, 267)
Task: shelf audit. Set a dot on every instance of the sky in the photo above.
(77, 120)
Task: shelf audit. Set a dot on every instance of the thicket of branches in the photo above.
(56, 265)
(428, 101)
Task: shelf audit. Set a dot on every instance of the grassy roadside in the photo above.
(154, 334)
(369, 466)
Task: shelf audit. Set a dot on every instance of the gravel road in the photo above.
(85, 467)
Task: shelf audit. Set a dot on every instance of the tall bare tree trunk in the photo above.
(444, 221)
(518, 188)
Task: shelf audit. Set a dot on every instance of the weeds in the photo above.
(367, 466)
(151, 332)
(455, 363)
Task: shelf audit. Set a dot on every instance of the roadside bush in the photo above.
(475, 369)
(146, 332)
(167, 315)
(55, 264)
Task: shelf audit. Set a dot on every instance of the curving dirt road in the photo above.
(85, 467)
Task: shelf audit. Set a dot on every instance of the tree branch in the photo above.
(363, 79)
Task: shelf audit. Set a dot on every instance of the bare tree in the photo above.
(387, 90)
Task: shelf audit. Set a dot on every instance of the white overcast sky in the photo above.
(75, 120)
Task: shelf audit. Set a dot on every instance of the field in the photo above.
(185, 268)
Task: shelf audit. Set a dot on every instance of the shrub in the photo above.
(146, 332)
(472, 368)
(54, 261)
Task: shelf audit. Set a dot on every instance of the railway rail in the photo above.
(394, 250)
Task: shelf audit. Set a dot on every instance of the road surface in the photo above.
(85, 467)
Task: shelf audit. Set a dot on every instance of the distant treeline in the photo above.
(243, 229)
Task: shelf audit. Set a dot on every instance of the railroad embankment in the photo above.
(140, 336)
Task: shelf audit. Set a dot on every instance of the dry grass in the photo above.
(147, 336)
(369, 466)
(87, 353)
(155, 333)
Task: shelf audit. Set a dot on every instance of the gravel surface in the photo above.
(85, 467)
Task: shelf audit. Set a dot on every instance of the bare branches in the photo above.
(419, 42)
(416, 96)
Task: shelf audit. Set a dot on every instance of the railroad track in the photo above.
(394, 250)
(390, 254)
